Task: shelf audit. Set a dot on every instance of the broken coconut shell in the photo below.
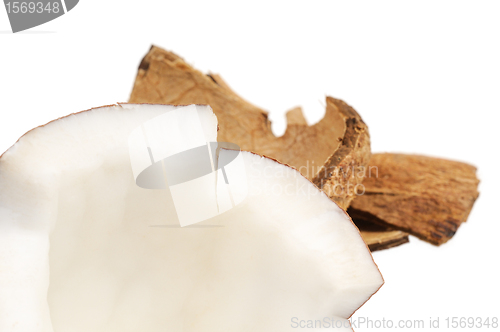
(334, 145)
(379, 237)
(338, 144)
(424, 196)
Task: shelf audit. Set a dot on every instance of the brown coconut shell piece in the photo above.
(379, 237)
(324, 152)
(424, 196)
(331, 153)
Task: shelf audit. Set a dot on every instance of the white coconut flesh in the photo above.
(83, 248)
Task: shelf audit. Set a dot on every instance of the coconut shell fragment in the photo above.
(325, 153)
(379, 237)
(424, 196)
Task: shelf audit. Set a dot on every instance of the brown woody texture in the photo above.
(339, 142)
(424, 196)
(338, 145)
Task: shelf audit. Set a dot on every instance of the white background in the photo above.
(425, 77)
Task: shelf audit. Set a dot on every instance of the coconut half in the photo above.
(84, 247)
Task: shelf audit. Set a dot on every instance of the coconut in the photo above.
(86, 245)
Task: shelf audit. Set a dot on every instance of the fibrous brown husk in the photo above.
(336, 144)
(379, 237)
(332, 153)
(424, 196)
